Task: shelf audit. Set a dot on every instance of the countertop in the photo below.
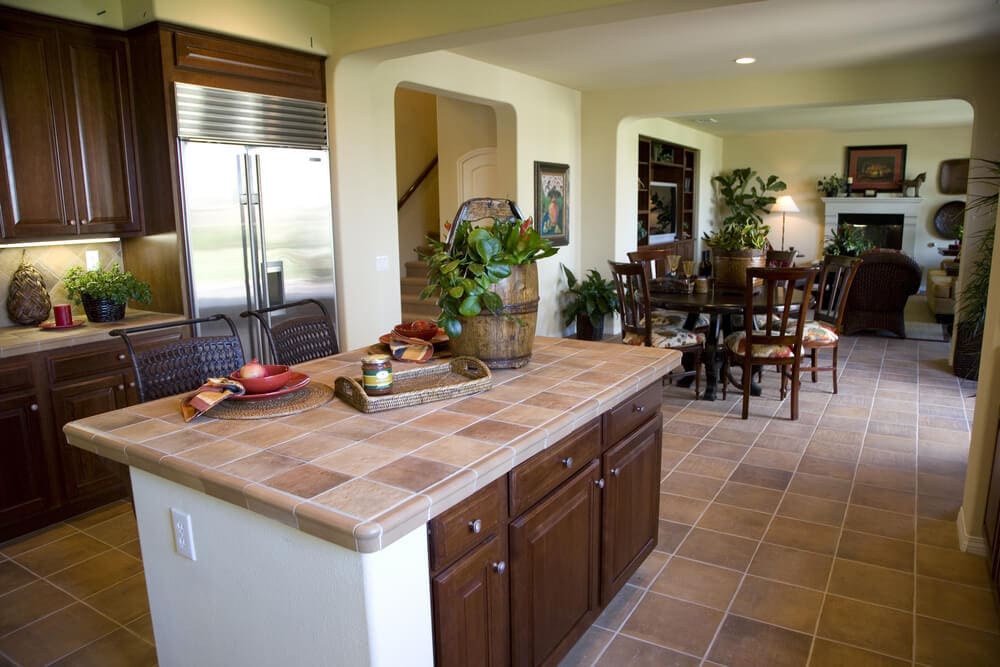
(364, 480)
(15, 340)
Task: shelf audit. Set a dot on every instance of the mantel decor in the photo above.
(878, 168)
(551, 202)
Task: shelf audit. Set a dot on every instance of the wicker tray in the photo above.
(459, 377)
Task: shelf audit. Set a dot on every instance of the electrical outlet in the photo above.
(183, 535)
(93, 259)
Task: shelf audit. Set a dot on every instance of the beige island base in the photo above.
(310, 531)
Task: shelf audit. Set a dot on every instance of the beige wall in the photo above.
(800, 158)
(462, 127)
(416, 146)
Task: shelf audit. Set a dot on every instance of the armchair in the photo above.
(881, 288)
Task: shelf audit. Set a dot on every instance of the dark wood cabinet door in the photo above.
(87, 474)
(24, 484)
(471, 616)
(631, 506)
(554, 570)
(33, 163)
(95, 69)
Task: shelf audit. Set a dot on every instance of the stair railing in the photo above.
(416, 184)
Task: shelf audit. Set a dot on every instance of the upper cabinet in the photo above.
(69, 167)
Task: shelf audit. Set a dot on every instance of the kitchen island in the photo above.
(310, 531)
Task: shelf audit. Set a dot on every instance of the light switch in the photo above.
(381, 262)
(93, 259)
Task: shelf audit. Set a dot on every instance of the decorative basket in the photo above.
(102, 310)
(28, 300)
(459, 377)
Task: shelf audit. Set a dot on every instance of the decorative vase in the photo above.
(504, 340)
(28, 299)
(730, 267)
(585, 329)
(102, 309)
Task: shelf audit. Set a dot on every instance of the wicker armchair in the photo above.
(183, 365)
(299, 338)
(881, 288)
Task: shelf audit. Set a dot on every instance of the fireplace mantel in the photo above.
(908, 207)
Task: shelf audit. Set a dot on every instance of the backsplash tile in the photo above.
(52, 262)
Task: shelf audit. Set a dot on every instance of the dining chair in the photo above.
(657, 266)
(305, 336)
(639, 327)
(823, 331)
(181, 365)
(777, 340)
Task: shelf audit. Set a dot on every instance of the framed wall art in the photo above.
(878, 168)
(552, 202)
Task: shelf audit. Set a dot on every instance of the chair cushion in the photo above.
(736, 343)
(817, 332)
(676, 318)
(667, 337)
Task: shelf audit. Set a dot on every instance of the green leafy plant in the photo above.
(114, 284)
(975, 289)
(831, 185)
(848, 241)
(594, 297)
(746, 196)
(461, 274)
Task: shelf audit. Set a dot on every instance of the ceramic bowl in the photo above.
(276, 376)
(423, 329)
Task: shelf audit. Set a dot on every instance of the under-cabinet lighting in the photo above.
(745, 60)
(39, 244)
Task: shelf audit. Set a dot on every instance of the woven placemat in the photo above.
(311, 396)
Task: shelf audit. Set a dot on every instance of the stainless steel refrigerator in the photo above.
(258, 225)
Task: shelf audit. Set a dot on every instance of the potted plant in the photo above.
(832, 185)
(486, 283)
(104, 292)
(848, 241)
(741, 239)
(588, 301)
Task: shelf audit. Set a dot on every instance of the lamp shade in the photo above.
(785, 204)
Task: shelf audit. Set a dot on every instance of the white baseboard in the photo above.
(972, 544)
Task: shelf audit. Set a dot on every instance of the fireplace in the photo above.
(882, 230)
(892, 221)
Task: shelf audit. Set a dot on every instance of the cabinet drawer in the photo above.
(15, 375)
(630, 413)
(535, 478)
(88, 360)
(454, 532)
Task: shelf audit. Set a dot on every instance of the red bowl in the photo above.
(422, 329)
(275, 377)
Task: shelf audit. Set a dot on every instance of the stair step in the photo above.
(416, 269)
(419, 282)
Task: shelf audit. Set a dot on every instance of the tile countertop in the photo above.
(15, 340)
(364, 480)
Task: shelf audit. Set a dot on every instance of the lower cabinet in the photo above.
(24, 479)
(583, 515)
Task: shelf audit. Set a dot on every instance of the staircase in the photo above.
(410, 287)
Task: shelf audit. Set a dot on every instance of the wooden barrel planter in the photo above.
(730, 268)
(504, 340)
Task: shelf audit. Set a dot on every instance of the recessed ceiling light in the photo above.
(745, 60)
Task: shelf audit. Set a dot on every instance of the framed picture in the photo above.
(663, 212)
(879, 168)
(551, 202)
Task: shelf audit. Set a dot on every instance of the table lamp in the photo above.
(785, 204)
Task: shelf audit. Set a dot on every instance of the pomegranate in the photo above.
(254, 369)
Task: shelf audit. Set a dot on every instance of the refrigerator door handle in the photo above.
(251, 253)
(265, 296)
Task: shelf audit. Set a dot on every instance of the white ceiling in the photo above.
(784, 36)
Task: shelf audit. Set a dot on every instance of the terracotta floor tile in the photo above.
(624, 602)
(101, 514)
(34, 540)
(121, 648)
(815, 465)
(143, 626)
(734, 435)
(588, 647)
(735, 521)
(692, 486)
(721, 450)
(115, 531)
(750, 497)
(706, 466)
(837, 451)
(766, 477)
(742, 641)
(678, 443)
(948, 645)
(876, 550)
(680, 508)
(963, 605)
(945, 486)
(802, 535)
(886, 477)
(793, 566)
(935, 507)
(673, 623)
(771, 458)
(784, 443)
(883, 499)
(779, 604)
(13, 576)
(648, 570)
(937, 533)
(670, 535)
(125, 601)
(816, 510)
(55, 635)
(958, 566)
(826, 653)
(697, 582)
(867, 626)
(870, 583)
(628, 651)
(887, 458)
(820, 487)
(718, 549)
(879, 522)
(30, 603)
(61, 554)
(96, 574)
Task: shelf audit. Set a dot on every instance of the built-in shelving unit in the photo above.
(665, 195)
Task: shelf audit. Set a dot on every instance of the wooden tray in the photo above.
(459, 377)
